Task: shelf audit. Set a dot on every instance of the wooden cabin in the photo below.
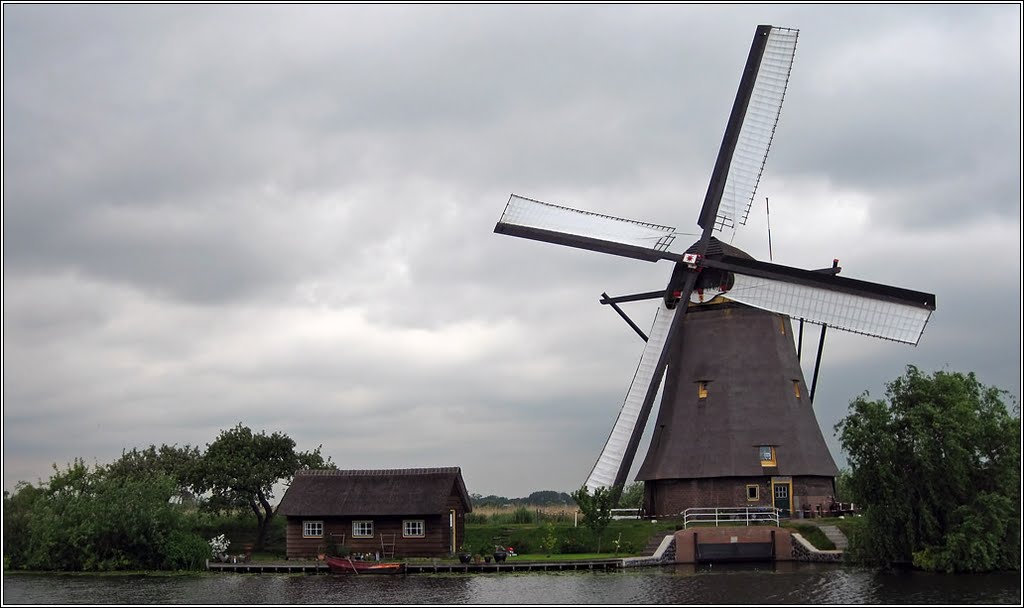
(391, 512)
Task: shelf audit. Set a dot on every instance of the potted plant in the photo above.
(465, 555)
(500, 553)
(485, 551)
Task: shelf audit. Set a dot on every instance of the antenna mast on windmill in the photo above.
(735, 418)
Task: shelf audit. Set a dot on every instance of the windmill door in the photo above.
(782, 493)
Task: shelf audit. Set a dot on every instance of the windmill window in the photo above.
(312, 529)
(796, 388)
(702, 389)
(753, 492)
(362, 529)
(767, 455)
(782, 325)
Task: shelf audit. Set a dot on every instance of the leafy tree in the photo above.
(843, 491)
(490, 500)
(180, 464)
(19, 508)
(632, 496)
(240, 469)
(937, 470)
(547, 498)
(87, 519)
(597, 508)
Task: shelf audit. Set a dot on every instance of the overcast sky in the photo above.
(282, 216)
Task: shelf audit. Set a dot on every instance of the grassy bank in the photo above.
(550, 534)
(624, 537)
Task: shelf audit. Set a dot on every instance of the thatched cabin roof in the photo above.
(336, 493)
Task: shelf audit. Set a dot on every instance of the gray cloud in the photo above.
(283, 215)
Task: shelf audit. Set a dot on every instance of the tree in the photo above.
(180, 464)
(597, 509)
(546, 498)
(937, 471)
(240, 469)
(632, 496)
(84, 518)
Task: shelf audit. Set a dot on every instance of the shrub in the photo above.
(571, 545)
(186, 551)
(522, 515)
(476, 518)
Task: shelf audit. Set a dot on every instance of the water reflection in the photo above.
(781, 583)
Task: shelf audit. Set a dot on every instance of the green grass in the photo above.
(811, 534)
(566, 557)
(850, 526)
(565, 539)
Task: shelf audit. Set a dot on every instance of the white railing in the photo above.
(730, 516)
(625, 513)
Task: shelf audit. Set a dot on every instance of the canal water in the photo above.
(783, 583)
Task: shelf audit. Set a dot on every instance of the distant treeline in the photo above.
(542, 498)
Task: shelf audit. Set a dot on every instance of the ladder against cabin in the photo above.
(387, 546)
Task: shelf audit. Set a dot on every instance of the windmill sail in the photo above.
(707, 443)
(614, 455)
(859, 314)
(751, 128)
(861, 307)
(532, 219)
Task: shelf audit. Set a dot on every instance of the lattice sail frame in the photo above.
(530, 213)
(607, 465)
(758, 129)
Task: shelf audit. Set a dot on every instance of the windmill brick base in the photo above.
(673, 496)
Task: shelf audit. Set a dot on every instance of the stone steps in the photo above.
(835, 535)
(653, 543)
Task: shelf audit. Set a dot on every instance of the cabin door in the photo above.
(451, 526)
(782, 493)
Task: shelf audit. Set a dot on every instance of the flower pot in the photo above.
(464, 558)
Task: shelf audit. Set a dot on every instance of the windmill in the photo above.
(736, 425)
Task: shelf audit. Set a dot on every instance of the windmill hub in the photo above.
(735, 426)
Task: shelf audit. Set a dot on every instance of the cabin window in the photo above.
(702, 389)
(796, 388)
(767, 454)
(753, 493)
(312, 529)
(412, 528)
(362, 529)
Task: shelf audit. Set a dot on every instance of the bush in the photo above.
(186, 551)
(520, 545)
(86, 519)
(581, 540)
(522, 515)
(476, 518)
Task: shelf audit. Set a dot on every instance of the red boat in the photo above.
(345, 565)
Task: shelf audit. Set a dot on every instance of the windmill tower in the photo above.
(736, 425)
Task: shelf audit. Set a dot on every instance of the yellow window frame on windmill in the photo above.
(702, 389)
(767, 455)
